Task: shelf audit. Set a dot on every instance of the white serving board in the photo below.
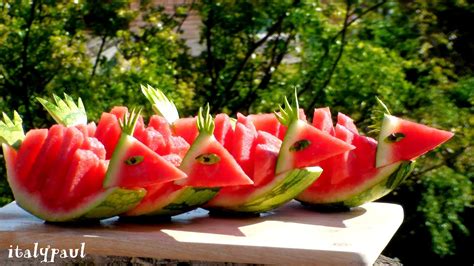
(290, 235)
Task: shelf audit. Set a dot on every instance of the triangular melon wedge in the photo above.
(134, 164)
(403, 140)
(304, 145)
(207, 163)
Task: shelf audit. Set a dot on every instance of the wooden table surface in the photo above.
(289, 235)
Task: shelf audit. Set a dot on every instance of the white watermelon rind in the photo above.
(117, 158)
(283, 188)
(285, 156)
(384, 153)
(385, 181)
(104, 204)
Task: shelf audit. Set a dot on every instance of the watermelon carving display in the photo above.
(373, 168)
(76, 170)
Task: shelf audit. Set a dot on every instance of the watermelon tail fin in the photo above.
(129, 122)
(205, 123)
(11, 131)
(65, 111)
(289, 113)
(160, 103)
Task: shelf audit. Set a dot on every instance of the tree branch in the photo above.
(336, 61)
(99, 54)
(24, 64)
(307, 85)
(180, 25)
(274, 63)
(209, 23)
(256, 45)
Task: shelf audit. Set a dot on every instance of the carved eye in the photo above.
(300, 145)
(394, 137)
(134, 160)
(208, 158)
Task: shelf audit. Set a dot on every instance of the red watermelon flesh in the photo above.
(28, 153)
(139, 166)
(265, 158)
(362, 158)
(46, 159)
(54, 178)
(416, 140)
(174, 159)
(186, 128)
(160, 124)
(84, 177)
(154, 140)
(340, 163)
(87, 130)
(323, 146)
(121, 111)
(346, 121)
(108, 132)
(243, 147)
(178, 146)
(322, 120)
(265, 122)
(225, 172)
(95, 146)
(242, 119)
(223, 130)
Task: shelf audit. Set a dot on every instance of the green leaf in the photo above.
(205, 122)
(160, 103)
(290, 112)
(11, 131)
(129, 121)
(65, 111)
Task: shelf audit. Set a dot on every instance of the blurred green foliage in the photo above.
(415, 55)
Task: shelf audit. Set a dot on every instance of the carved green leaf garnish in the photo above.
(160, 103)
(300, 145)
(65, 111)
(208, 158)
(11, 131)
(377, 116)
(394, 137)
(134, 160)
(290, 113)
(205, 122)
(129, 121)
(387, 111)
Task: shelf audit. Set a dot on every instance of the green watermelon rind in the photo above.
(104, 204)
(284, 187)
(384, 182)
(180, 201)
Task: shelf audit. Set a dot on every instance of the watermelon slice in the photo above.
(322, 120)
(358, 177)
(169, 198)
(347, 122)
(270, 189)
(401, 139)
(39, 197)
(265, 122)
(208, 163)
(304, 145)
(134, 164)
